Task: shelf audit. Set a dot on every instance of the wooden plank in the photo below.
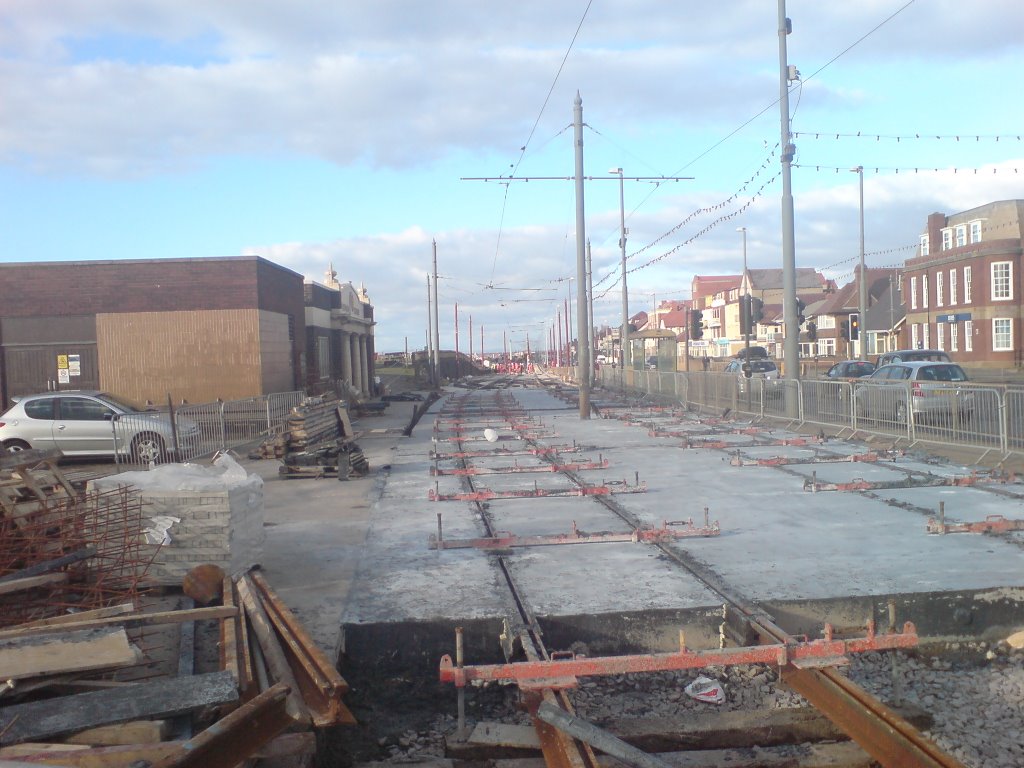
(135, 732)
(153, 698)
(71, 652)
(98, 613)
(34, 748)
(842, 755)
(50, 565)
(134, 755)
(32, 582)
(127, 621)
(181, 726)
(277, 664)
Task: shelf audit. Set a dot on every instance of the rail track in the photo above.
(544, 677)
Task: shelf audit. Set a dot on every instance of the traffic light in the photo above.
(696, 327)
(756, 311)
(745, 315)
(844, 329)
(854, 326)
(812, 331)
(800, 307)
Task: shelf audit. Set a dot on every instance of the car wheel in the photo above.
(147, 447)
(901, 413)
(16, 446)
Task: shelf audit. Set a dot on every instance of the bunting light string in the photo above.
(766, 163)
(709, 227)
(897, 170)
(896, 249)
(977, 138)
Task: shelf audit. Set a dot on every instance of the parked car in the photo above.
(933, 389)
(912, 355)
(652, 362)
(849, 369)
(757, 369)
(90, 423)
(753, 353)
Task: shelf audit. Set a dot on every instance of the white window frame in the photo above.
(960, 235)
(924, 245)
(913, 293)
(954, 337)
(975, 231)
(952, 287)
(968, 335)
(1002, 285)
(914, 335)
(947, 239)
(1004, 332)
(926, 335)
(968, 288)
(940, 336)
(323, 356)
(924, 290)
(939, 297)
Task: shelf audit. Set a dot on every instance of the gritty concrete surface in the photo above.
(356, 553)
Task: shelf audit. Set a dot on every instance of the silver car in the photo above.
(923, 389)
(754, 369)
(90, 423)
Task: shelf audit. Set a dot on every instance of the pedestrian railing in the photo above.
(989, 417)
(189, 432)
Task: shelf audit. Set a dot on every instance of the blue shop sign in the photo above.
(958, 317)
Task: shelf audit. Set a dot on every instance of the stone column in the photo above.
(357, 363)
(364, 365)
(346, 356)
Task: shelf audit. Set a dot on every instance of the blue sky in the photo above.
(317, 133)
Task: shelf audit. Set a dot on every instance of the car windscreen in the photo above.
(860, 369)
(762, 366)
(941, 373)
(118, 403)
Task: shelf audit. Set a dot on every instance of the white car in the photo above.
(90, 423)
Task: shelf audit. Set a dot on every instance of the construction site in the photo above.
(483, 577)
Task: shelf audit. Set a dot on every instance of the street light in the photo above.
(862, 304)
(624, 335)
(745, 299)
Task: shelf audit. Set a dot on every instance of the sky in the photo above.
(359, 133)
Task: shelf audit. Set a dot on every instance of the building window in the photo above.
(1002, 334)
(913, 336)
(961, 235)
(954, 341)
(952, 287)
(968, 335)
(975, 231)
(924, 245)
(967, 285)
(947, 239)
(926, 335)
(924, 291)
(940, 335)
(913, 293)
(1001, 286)
(939, 292)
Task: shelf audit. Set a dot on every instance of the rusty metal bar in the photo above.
(505, 539)
(521, 469)
(536, 451)
(486, 494)
(879, 731)
(562, 672)
(235, 737)
(991, 524)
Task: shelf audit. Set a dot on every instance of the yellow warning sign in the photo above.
(62, 361)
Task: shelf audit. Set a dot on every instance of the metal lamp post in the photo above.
(862, 304)
(745, 299)
(624, 334)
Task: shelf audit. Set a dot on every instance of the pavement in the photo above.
(352, 559)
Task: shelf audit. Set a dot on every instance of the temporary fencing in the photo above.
(981, 416)
(188, 432)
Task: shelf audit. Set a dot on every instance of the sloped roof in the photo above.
(709, 285)
(771, 279)
(674, 319)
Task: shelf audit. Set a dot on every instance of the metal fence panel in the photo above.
(827, 402)
(1013, 420)
(882, 408)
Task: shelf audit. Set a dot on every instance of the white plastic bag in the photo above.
(705, 689)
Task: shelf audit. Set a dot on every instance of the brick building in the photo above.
(197, 329)
(963, 289)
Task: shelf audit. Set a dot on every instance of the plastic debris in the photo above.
(705, 689)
